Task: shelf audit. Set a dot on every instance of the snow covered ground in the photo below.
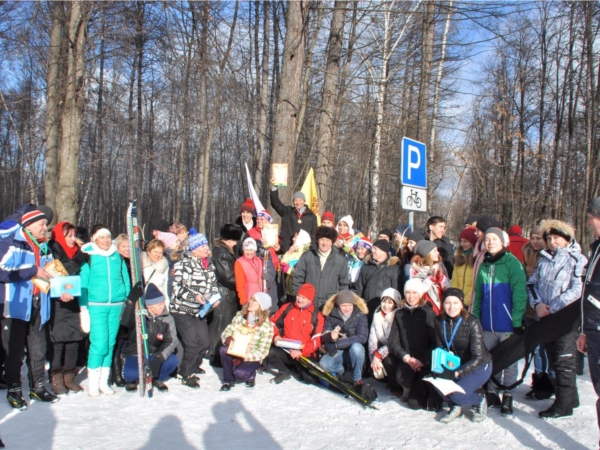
(287, 416)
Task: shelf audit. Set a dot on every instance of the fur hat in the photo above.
(196, 240)
(349, 221)
(558, 228)
(515, 230)
(486, 222)
(424, 248)
(468, 234)
(153, 296)
(393, 294)
(414, 284)
(264, 300)
(231, 232)
(328, 215)
(326, 232)
(299, 195)
(345, 296)
(307, 290)
(382, 245)
(249, 244)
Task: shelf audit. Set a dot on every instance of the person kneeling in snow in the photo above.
(252, 319)
(346, 333)
(162, 340)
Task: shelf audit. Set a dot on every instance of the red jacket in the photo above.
(256, 234)
(297, 325)
(516, 246)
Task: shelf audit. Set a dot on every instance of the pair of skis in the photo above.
(135, 243)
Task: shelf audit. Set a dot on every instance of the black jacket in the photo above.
(64, 317)
(467, 344)
(413, 333)
(329, 281)
(591, 292)
(447, 253)
(290, 222)
(356, 328)
(374, 278)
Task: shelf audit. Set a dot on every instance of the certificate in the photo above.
(280, 174)
(242, 339)
(69, 284)
(270, 233)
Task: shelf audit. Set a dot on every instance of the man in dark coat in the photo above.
(323, 266)
(379, 272)
(223, 258)
(297, 217)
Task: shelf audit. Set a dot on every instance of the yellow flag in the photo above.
(309, 189)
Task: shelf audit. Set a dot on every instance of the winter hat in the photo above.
(472, 219)
(32, 215)
(515, 230)
(557, 228)
(454, 292)
(160, 225)
(47, 212)
(302, 239)
(230, 232)
(299, 195)
(468, 234)
(167, 238)
(247, 206)
(249, 244)
(326, 232)
(349, 221)
(307, 290)
(594, 207)
(328, 215)
(365, 242)
(196, 240)
(414, 284)
(417, 235)
(424, 248)
(382, 245)
(387, 232)
(153, 296)
(264, 300)
(497, 231)
(265, 215)
(345, 296)
(391, 293)
(402, 229)
(486, 222)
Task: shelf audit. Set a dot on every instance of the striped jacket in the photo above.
(190, 279)
(261, 342)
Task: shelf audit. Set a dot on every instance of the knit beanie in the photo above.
(594, 207)
(196, 240)
(424, 248)
(387, 232)
(349, 221)
(414, 284)
(497, 231)
(486, 222)
(265, 215)
(417, 235)
(472, 219)
(469, 234)
(382, 245)
(328, 215)
(393, 294)
(167, 238)
(307, 290)
(249, 244)
(299, 195)
(264, 300)
(515, 230)
(153, 296)
(365, 242)
(32, 215)
(454, 292)
(345, 296)
(247, 206)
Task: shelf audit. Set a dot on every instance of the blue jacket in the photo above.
(356, 328)
(17, 268)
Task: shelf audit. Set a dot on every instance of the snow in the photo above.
(291, 415)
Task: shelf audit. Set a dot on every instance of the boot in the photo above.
(94, 382)
(454, 412)
(507, 404)
(15, 397)
(479, 411)
(58, 382)
(116, 372)
(405, 394)
(41, 394)
(70, 383)
(104, 376)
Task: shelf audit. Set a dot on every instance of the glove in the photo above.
(155, 365)
(519, 330)
(136, 292)
(84, 320)
(447, 374)
(228, 341)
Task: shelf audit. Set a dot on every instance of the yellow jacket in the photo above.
(462, 278)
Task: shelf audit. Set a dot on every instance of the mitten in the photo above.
(84, 320)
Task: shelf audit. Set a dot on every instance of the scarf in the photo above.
(323, 257)
(59, 236)
(494, 258)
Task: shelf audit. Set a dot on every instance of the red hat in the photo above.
(328, 215)
(365, 242)
(247, 206)
(468, 234)
(515, 230)
(307, 290)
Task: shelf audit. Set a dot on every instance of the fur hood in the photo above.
(161, 266)
(219, 244)
(393, 260)
(558, 225)
(359, 303)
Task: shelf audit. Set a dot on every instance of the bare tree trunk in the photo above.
(426, 58)
(263, 100)
(66, 199)
(328, 104)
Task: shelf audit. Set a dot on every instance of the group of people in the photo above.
(360, 307)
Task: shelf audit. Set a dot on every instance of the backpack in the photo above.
(280, 320)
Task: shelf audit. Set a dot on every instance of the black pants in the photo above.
(561, 357)
(279, 359)
(193, 334)
(18, 334)
(593, 351)
(406, 376)
(64, 355)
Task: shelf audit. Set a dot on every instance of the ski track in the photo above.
(287, 416)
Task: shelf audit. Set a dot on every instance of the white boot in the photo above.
(104, 387)
(93, 382)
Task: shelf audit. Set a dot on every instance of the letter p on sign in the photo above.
(413, 170)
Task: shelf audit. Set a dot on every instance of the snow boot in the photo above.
(70, 383)
(454, 412)
(492, 399)
(552, 413)
(281, 377)
(57, 379)
(104, 376)
(160, 386)
(507, 404)
(191, 381)
(405, 394)
(250, 383)
(542, 387)
(131, 387)
(94, 382)
(226, 387)
(15, 397)
(41, 394)
(479, 412)
(116, 372)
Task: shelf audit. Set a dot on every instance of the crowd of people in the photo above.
(361, 307)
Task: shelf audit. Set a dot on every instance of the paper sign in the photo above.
(270, 233)
(280, 174)
(70, 285)
(242, 339)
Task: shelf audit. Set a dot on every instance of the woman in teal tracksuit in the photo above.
(104, 289)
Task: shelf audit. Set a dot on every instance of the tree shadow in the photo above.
(168, 433)
(236, 428)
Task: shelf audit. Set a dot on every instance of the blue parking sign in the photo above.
(413, 164)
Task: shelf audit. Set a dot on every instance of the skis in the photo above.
(133, 231)
(334, 381)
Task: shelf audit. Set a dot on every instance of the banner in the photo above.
(309, 189)
(257, 204)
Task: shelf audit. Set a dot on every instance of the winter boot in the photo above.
(281, 377)
(507, 404)
(70, 383)
(190, 381)
(131, 387)
(160, 386)
(226, 387)
(116, 372)
(104, 376)
(58, 382)
(41, 394)
(405, 394)
(479, 411)
(544, 387)
(94, 382)
(492, 399)
(454, 412)
(15, 397)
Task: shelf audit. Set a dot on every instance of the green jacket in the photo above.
(104, 279)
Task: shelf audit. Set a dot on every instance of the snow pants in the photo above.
(105, 321)
(244, 371)
(470, 383)
(492, 339)
(561, 356)
(593, 351)
(193, 334)
(131, 373)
